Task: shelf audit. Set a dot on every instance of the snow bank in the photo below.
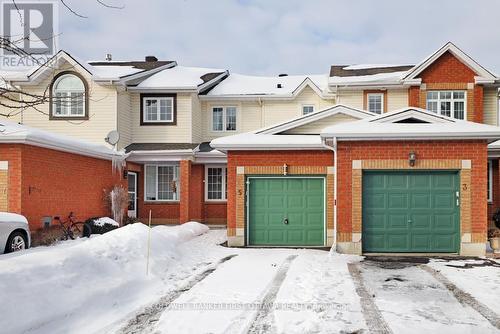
(100, 277)
(105, 220)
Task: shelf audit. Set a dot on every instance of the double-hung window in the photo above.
(447, 103)
(490, 181)
(307, 109)
(158, 109)
(224, 119)
(161, 183)
(215, 183)
(375, 102)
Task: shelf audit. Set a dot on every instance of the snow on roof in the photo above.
(240, 84)
(442, 127)
(178, 77)
(367, 66)
(253, 141)
(393, 77)
(110, 71)
(11, 132)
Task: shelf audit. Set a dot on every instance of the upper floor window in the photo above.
(224, 119)
(375, 102)
(447, 103)
(307, 109)
(69, 97)
(158, 109)
(161, 183)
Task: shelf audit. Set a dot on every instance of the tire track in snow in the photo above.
(373, 316)
(144, 321)
(264, 320)
(465, 298)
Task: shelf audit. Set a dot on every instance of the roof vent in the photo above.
(279, 85)
(109, 57)
(150, 58)
(283, 75)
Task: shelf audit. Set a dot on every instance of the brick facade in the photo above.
(449, 73)
(431, 155)
(44, 182)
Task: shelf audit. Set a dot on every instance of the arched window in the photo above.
(68, 97)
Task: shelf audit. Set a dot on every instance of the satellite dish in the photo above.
(112, 138)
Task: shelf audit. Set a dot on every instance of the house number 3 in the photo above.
(465, 186)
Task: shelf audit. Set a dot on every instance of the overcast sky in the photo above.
(288, 36)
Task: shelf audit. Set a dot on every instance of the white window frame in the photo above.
(452, 100)
(178, 185)
(157, 99)
(382, 109)
(224, 118)
(224, 183)
(490, 181)
(67, 108)
(307, 106)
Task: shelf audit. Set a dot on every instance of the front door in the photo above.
(132, 194)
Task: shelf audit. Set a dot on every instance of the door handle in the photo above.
(285, 221)
(409, 221)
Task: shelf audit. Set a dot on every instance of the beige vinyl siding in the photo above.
(179, 133)
(397, 99)
(490, 105)
(248, 117)
(279, 111)
(317, 126)
(197, 126)
(124, 119)
(350, 98)
(102, 110)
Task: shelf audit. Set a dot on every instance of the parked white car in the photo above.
(14, 232)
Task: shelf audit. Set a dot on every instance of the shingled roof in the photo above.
(143, 65)
(344, 71)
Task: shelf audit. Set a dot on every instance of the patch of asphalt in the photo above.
(144, 321)
(264, 320)
(484, 263)
(373, 316)
(465, 298)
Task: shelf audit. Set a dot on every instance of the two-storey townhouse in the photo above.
(411, 179)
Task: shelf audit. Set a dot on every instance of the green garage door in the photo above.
(286, 211)
(411, 212)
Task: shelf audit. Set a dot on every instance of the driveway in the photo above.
(313, 291)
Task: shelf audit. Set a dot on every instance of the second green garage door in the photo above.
(286, 211)
(411, 212)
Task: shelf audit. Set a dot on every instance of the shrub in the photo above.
(101, 225)
(494, 233)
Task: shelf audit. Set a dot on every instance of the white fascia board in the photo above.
(21, 139)
(413, 136)
(160, 155)
(268, 147)
(247, 97)
(212, 82)
(307, 82)
(367, 85)
(139, 75)
(164, 90)
(483, 81)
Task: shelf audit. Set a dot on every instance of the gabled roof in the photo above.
(483, 75)
(315, 116)
(410, 124)
(281, 87)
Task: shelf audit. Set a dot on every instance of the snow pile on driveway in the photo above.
(47, 289)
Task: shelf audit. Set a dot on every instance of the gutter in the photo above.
(335, 178)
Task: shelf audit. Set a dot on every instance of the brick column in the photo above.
(185, 172)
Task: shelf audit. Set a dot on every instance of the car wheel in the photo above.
(16, 242)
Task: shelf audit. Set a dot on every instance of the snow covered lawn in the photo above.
(99, 285)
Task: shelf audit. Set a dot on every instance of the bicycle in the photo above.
(71, 229)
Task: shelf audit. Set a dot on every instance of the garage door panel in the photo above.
(423, 217)
(300, 200)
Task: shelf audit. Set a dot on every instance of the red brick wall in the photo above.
(362, 150)
(44, 182)
(12, 154)
(414, 96)
(268, 158)
(446, 69)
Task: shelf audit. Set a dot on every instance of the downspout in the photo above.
(334, 149)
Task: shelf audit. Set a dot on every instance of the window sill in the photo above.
(68, 118)
(215, 201)
(150, 202)
(157, 123)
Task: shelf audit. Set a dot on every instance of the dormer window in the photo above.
(68, 97)
(307, 109)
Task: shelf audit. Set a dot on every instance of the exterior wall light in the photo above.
(412, 158)
(285, 169)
